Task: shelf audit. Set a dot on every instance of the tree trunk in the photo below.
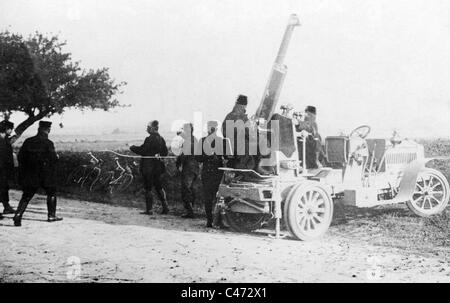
(20, 129)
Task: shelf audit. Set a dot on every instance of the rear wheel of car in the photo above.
(308, 211)
(244, 222)
(431, 193)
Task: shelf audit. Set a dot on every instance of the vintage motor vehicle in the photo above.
(362, 171)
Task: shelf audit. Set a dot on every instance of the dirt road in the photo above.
(103, 243)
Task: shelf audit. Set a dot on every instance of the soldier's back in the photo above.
(37, 162)
(36, 149)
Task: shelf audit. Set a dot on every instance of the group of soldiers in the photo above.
(189, 160)
(152, 168)
(37, 161)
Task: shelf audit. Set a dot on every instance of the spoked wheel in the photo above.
(123, 184)
(90, 179)
(308, 211)
(431, 194)
(102, 183)
(75, 176)
(96, 178)
(245, 222)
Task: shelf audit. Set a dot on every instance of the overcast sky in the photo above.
(382, 63)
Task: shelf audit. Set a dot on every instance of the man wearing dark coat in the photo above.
(187, 163)
(6, 165)
(313, 140)
(213, 151)
(240, 157)
(152, 168)
(37, 168)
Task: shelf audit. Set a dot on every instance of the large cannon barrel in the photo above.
(273, 88)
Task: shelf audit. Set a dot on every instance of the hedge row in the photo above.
(134, 194)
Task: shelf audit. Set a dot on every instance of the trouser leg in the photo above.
(207, 203)
(161, 194)
(210, 187)
(187, 192)
(208, 197)
(4, 198)
(148, 194)
(148, 201)
(27, 195)
(6, 205)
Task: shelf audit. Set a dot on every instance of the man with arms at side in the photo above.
(234, 126)
(212, 157)
(6, 165)
(188, 165)
(37, 168)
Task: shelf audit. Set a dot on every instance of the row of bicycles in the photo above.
(94, 177)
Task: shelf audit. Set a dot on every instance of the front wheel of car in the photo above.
(431, 193)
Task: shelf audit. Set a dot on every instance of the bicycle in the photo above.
(117, 180)
(86, 174)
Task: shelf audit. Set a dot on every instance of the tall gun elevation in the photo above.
(273, 88)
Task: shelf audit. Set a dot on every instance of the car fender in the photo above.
(409, 178)
(294, 188)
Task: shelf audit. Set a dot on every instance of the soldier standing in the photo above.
(37, 168)
(188, 164)
(212, 159)
(241, 157)
(151, 168)
(6, 165)
(312, 141)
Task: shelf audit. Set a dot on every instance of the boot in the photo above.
(51, 208)
(148, 204)
(189, 214)
(209, 214)
(7, 209)
(189, 211)
(23, 203)
(209, 223)
(165, 210)
(163, 199)
(218, 216)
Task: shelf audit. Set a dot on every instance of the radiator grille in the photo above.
(400, 158)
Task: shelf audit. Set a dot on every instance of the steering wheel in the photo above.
(361, 131)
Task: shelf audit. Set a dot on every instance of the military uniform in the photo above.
(152, 169)
(239, 159)
(189, 173)
(6, 167)
(211, 175)
(312, 141)
(37, 168)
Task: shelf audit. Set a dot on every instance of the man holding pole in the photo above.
(152, 168)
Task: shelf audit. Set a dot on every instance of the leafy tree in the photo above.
(39, 79)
